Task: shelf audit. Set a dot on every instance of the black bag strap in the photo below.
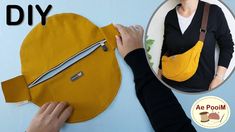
(203, 29)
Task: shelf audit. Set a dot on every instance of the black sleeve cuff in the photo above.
(137, 60)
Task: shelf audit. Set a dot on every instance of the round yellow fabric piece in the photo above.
(63, 36)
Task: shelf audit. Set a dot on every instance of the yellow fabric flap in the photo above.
(15, 90)
(110, 32)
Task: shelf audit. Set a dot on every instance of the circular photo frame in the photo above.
(154, 39)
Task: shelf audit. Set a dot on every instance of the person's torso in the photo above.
(178, 42)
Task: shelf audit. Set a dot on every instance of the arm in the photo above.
(164, 48)
(225, 42)
(163, 51)
(164, 111)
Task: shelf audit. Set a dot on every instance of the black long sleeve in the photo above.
(164, 111)
(224, 39)
(164, 46)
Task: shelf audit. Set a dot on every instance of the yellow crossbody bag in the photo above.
(183, 66)
(69, 59)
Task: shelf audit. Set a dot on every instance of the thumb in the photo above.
(119, 42)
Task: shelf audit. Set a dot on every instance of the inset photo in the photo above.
(191, 48)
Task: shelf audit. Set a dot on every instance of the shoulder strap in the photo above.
(203, 28)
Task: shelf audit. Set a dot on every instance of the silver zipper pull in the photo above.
(104, 47)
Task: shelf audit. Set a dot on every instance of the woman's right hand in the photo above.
(130, 39)
(159, 75)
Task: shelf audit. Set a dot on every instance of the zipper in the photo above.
(69, 62)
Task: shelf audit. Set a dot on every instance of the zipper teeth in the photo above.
(34, 83)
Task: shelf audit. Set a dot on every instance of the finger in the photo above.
(65, 115)
(122, 30)
(59, 109)
(210, 87)
(139, 28)
(43, 108)
(50, 108)
(132, 28)
(119, 42)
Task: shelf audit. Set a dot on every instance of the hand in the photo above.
(159, 74)
(50, 118)
(131, 38)
(215, 82)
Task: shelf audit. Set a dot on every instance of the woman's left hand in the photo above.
(50, 118)
(218, 79)
(215, 82)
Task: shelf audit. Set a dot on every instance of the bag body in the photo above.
(69, 59)
(182, 67)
